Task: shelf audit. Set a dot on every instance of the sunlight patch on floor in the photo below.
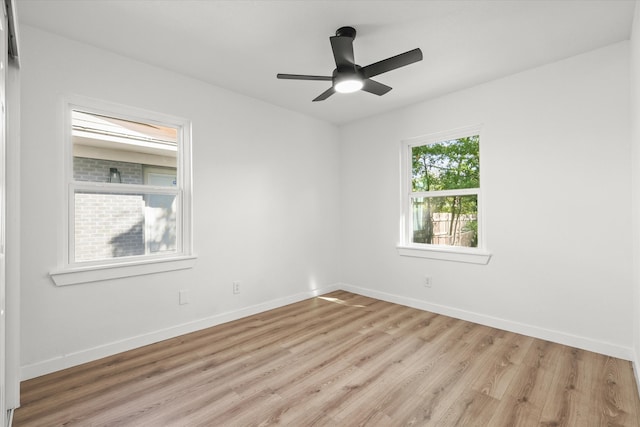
(339, 301)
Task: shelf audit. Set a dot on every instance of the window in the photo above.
(129, 185)
(441, 203)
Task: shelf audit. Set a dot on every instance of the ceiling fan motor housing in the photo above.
(346, 32)
(347, 79)
(348, 72)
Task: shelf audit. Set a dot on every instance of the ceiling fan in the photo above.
(348, 76)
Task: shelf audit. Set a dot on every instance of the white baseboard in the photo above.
(109, 349)
(583, 343)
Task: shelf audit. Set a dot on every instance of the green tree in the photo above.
(447, 165)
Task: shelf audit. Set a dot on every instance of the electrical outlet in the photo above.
(236, 287)
(428, 281)
(183, 297)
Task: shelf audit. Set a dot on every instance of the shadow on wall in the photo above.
(155, 233)
(130, 242)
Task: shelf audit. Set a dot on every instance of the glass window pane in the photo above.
(111, 225)
(109, 149)
(446, 165)
(163, 177)
(451, 221)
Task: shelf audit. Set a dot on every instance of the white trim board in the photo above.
(583, 343)
(109, 349)
(88, 355)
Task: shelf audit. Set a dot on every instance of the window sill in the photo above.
(96, 273)
(473, 256)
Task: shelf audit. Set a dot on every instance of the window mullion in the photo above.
(105, 187)
(445, 193)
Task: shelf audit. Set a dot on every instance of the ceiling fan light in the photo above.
(348, 85)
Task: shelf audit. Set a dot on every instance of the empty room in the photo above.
(337, 213)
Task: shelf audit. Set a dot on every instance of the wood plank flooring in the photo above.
(340, 360)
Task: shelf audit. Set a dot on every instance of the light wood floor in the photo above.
(340, 360)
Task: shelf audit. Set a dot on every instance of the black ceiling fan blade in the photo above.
(374, 87)
(342, 47)
(324, 95)
(392, 63)
(303, 77)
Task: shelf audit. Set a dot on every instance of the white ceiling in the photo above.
(242, 45)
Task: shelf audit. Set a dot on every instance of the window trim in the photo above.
(478, 255)
(70, 272)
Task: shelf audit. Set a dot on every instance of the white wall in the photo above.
(265, 207)
(635, 165)
(556, 180)
(288, 205)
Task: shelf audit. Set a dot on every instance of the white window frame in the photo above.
(71, 272)
(406, 247)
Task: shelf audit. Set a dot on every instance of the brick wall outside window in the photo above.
(96, 170)
(108, 225)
